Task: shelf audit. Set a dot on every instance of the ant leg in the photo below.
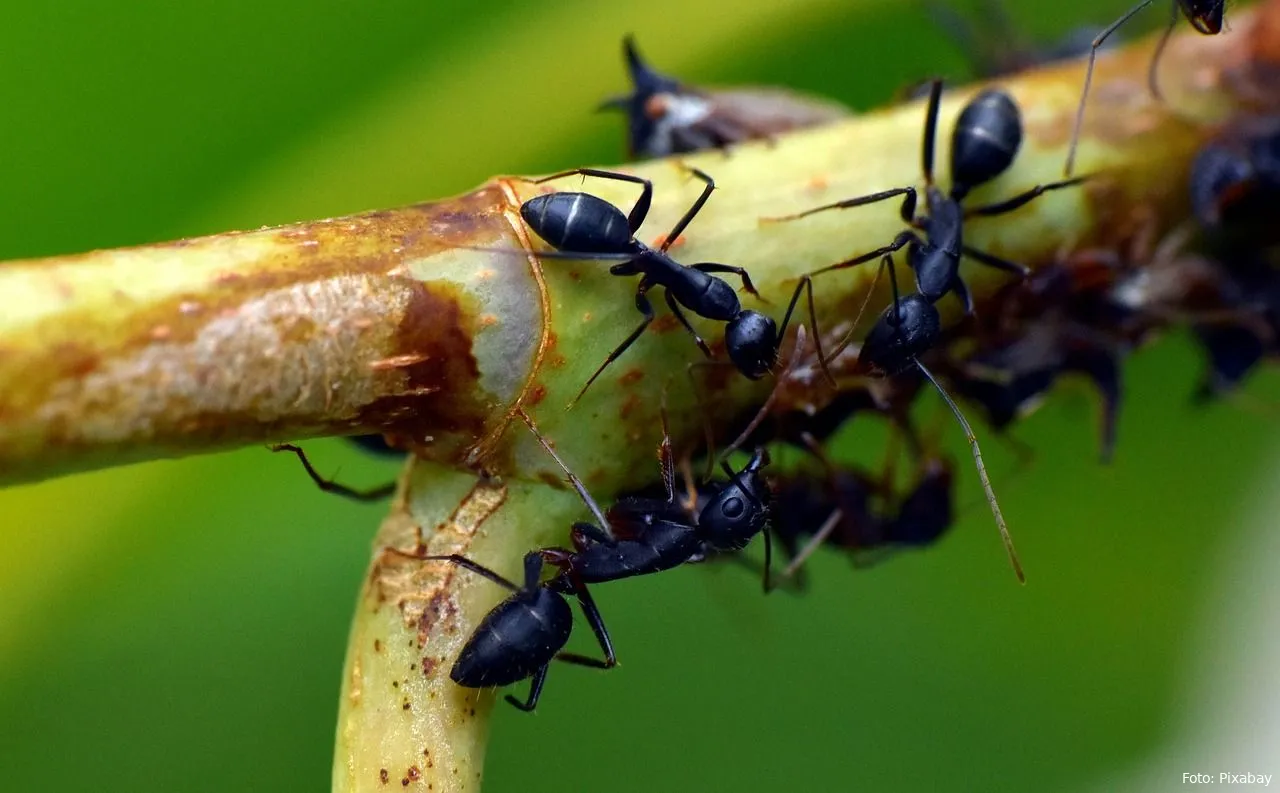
(535, 691)
(641, 208)
(329, 486)
(1088, 80)
(907, 211)
(592, 613)
(899, 242)
(815, 542)
(1020, 270)
(573, 479)
(1152, 83)
(1008, 205)
(642, 303)
(767, 581)
(806, 283)
(712, 267)
(692, 212)
(582, 531)
(467, 564)
(930, 130)
(675, 309)
(982, 471)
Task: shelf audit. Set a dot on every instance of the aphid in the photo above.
(1205, 16)
(665, 116)
(1235, 181)
(985, 141)
(1009, 380)
(583, 226)
(909, 328)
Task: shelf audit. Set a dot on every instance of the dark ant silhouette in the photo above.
(582, 226)
(1205, 16)
(985, 141)
(666, 116)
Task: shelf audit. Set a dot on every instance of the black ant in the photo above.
(905, 331)
(583, 226)
(522, 635)
(1205, 16)
(665, 116)
(985, 141)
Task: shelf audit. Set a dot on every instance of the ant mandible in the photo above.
(1206, 16)
(985, 141)
(582, 226)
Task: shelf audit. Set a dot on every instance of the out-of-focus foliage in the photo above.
(181, 626)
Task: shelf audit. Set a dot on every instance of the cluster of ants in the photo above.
(1080, 315)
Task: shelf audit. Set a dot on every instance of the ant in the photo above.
(907, 329)
(582, 226)
(985, 141)
(665, 116)
(1205, 16)
(520, 637)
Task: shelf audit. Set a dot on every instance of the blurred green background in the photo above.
(181, 626)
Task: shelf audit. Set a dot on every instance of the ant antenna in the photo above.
(1152, 82)
(1088, 80)
(573, 479)
(982, 472)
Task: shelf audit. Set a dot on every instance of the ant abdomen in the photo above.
(898, 338)
(985, 140)
(514, 640)
(578, 222)
(1204, 15)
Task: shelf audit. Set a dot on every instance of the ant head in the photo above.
(737, 513)
(1204, 15)
(751, 339)
(985, 140)
(899, 336)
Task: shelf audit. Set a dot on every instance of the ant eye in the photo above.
(733, 508)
